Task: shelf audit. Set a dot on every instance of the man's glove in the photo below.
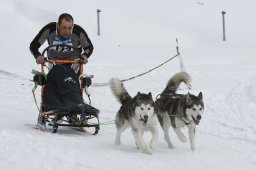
(40, 59)
(84, 59)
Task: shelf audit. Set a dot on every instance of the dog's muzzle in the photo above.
(197, 120)
(144, 119)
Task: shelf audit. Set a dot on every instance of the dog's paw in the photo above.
(192, 148)
(137, 146)
(152, 145)
(183, 138)
(147, 151)
(171, 146)
(118, 142)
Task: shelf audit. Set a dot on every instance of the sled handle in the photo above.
(59, 60)
(63, 61)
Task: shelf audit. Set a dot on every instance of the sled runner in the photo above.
(62, 102)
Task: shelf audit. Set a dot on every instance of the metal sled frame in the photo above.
(75, 119)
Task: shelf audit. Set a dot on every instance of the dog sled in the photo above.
(62, 102)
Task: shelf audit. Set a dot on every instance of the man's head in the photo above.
(65, 25)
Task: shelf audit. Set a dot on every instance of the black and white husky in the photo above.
(178, 110)
(138, 113)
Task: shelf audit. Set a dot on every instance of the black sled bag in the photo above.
(62, 88)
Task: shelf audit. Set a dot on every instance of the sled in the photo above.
(76, 117)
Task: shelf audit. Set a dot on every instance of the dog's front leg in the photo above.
(191, 133)
(119, 129)
(118, 137)
(180, 135)
(167, 136)
(154, 132)
(136, 141)
(140, 142)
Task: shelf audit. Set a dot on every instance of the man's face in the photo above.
(65, 28)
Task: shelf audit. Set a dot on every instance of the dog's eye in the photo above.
(149, 108)
(194, 109)
(141, 108)
(200, 109)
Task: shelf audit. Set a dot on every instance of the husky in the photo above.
(138, 113)
(179, 110)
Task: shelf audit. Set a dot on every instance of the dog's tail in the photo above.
(119, 91)
(173, 84)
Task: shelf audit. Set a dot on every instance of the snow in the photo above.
(135, 37)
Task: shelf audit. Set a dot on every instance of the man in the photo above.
(62, 89)
(64, 32)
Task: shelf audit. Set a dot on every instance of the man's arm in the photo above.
(84, 40)
(40, 38)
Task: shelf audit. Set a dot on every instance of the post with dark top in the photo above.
(98, 20)
(223, 22)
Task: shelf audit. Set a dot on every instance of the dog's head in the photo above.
(194, 107)
(144, 107)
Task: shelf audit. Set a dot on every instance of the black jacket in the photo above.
(50, 33)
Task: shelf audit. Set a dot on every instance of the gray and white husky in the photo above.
(178, 110)
(138, 113)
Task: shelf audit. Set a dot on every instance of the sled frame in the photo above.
(54, 117)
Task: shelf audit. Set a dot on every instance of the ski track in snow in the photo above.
(235, 113)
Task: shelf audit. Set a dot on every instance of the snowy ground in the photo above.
(135, 37)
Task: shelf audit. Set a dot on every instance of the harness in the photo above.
(168, 98)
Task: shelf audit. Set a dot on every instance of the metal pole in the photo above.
(223, 22)
(98, 20)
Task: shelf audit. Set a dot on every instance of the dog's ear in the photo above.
(200, 96)
(150, 94)
(133, 106)
(138, 96)
(187, 97)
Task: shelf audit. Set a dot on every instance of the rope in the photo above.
(124, 80)
(33, 91)
(103, 123)
(150, 69)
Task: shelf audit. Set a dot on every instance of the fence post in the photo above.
(98, 20)
(223, 23)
